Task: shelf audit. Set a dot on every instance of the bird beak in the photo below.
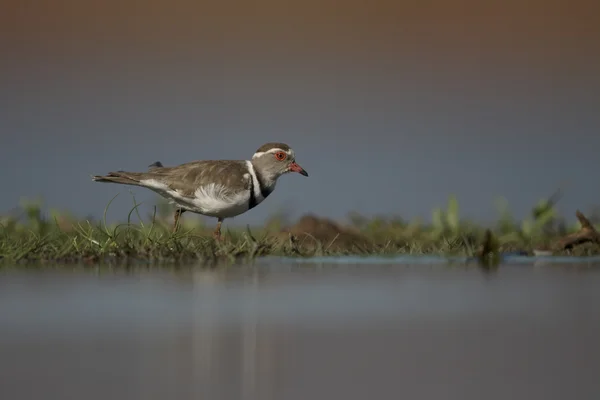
(296, 168)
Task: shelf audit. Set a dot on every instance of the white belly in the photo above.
(212, 200)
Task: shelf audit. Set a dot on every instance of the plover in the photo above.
(216, 188)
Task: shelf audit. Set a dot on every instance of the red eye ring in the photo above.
(280, 155)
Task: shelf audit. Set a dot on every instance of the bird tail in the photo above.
(122, 177)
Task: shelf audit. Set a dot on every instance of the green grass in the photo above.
(35, 239)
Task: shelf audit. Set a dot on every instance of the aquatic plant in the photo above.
(30, 235)
(447, 222)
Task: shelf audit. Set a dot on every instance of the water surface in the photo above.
(282, 329)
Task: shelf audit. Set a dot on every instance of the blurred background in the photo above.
(391, 106)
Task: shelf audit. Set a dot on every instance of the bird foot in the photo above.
(217, 231)
(177, 215)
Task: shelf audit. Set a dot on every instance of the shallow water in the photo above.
(284, 329)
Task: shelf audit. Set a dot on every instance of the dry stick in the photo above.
(587, 233)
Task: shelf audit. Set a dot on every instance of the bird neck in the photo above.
(266, 180)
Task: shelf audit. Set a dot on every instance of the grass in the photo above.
(30, 238)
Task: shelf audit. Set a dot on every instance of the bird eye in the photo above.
(280, 155)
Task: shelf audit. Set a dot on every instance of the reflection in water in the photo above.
(206, 341)
(296, 332)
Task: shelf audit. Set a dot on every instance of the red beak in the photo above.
(296, 168)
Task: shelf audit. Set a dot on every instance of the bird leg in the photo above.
(178, 213)
(217, 232)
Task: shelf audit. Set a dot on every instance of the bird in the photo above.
(215, 188)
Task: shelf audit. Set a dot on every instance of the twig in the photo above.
(587, 233)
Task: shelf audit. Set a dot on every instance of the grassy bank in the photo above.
(27, 236)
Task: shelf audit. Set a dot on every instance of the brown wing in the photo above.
(187, 178)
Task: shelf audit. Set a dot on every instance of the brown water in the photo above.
(284, 331)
